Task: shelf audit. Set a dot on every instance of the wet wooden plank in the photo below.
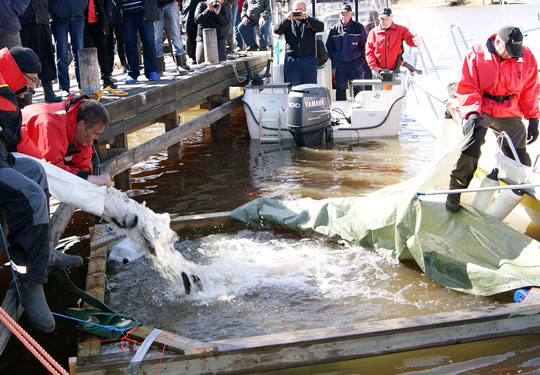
(332, 344)
(200, 220)
(174, 342)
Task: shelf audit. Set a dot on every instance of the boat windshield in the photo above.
(328, 11)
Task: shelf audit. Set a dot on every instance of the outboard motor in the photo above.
(308, 114)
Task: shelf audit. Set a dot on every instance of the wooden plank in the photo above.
(177, 343)
(11, 305)
(332, 344)
(200, 220)
(59, 221)
(124, 161)
(180, 95)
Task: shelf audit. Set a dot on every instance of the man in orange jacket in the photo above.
(498, 88)
(384, 44)
(63, 132)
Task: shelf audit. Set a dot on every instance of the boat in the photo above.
(373, 112)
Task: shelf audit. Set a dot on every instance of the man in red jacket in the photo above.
(63, 132)
(498, 88)
(384, 44)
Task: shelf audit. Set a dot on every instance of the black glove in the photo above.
(532, 130)
(470, 123)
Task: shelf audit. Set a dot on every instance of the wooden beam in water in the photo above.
(200, 220)
(177, 343)
(333, 344)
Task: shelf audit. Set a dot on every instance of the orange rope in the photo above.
(46, 360)
(169, 335)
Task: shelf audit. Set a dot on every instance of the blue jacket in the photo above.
(67, 10)
(346, 43)
(9, 15)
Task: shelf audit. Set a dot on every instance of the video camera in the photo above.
(216, 4)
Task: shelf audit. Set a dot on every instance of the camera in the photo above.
(216, 4)
(296, 14)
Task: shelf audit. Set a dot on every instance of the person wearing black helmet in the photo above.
(498, 87)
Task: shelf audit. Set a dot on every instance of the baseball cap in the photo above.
(346, 8)
(386, 12)
(513, 40)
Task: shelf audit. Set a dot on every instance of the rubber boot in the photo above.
(183, 68)
(37, 311)
(50, 96)
(61, 261)
(341, 94)
(160, 65)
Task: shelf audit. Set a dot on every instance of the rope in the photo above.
(41, 355)
(98, 94)
(110, 328)
(233, 66)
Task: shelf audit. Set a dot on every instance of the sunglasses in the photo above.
(35, 81)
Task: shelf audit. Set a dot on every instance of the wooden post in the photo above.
(218, 127)
(118, 146)
(210, 43)
(171, 121)
(89, 69)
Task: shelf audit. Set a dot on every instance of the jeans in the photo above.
(171, 14)
(133, 22)
(300, 70)
(266, 33)
(60, 31)
(248, 33)
(237, 37)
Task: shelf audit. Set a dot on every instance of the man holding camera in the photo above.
(299, 30)
(254, 11)
(211, 15)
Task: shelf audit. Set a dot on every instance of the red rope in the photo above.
(169, 335)
(46, 360)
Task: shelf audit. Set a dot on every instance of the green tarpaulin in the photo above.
(467, 251)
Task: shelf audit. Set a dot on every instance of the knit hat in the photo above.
(26, 59)
(513, 39)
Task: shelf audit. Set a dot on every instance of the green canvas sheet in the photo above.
(467, 251)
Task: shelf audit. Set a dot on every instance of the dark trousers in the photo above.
(94, 37)
(133, 22)
(191, 44)
(38, 37)
(23, 196)
(115, 34)
(222, 51)
(299, 70)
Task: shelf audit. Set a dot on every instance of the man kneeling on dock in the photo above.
(63, 134)
(24, 193)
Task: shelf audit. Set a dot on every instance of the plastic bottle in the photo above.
(482, 198)
(505, 202)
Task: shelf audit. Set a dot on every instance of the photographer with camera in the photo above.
(211, 15)
(255, 12)
(384, 45)
(299, 29)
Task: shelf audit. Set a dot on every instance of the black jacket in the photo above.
(207, 19)
(67, 10)
(188, 15)
(300, 40)
(37, 12)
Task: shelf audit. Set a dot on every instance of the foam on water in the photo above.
(151, 232)
(259, 282)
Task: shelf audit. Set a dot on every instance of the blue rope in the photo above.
(97, 157)
(11, 265)
(111, 328)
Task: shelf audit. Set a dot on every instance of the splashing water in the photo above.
(151, 232)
